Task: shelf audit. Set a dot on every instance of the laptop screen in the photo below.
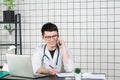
(20, 65)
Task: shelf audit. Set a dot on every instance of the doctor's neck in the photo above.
(51, 47)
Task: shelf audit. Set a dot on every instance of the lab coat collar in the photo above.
(53, 60)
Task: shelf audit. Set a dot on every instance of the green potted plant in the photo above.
(9, 28)
(77, 72)
(8, 14)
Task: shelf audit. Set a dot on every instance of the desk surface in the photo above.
(46, 78)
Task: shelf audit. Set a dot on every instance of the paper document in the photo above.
(94, 75)
(65, 74)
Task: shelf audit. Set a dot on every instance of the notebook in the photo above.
(21, 66)
(3, 74)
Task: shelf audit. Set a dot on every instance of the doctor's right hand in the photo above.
(52, 71)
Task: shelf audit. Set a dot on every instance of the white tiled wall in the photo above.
(91, 29)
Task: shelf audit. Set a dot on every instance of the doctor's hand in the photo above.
(52, 71)
(43, 70)
(61, 42)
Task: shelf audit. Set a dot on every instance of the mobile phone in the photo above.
(59, 43)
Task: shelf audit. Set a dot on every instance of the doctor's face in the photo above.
(50, 38)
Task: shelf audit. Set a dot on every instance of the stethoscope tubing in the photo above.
(48, 57)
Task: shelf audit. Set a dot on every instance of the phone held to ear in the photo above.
(59, 43)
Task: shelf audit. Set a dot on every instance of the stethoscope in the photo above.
(44, 55)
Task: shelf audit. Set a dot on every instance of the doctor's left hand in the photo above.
(52, 71)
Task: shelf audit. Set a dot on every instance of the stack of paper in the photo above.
(93, 75)
(84, 75)
(65, 75)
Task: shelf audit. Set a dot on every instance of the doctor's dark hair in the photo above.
(49, 27)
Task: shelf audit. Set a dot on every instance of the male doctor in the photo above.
(53, 56)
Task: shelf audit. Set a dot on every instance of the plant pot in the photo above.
(8, 16)
(10, 39)
(77, 76)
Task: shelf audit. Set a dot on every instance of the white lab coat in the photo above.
(38, 55)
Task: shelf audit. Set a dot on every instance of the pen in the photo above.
(51, 66)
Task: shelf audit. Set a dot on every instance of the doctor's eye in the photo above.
(53, 37)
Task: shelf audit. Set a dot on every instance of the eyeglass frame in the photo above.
(54, 37)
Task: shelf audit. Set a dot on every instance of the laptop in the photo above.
(21, 66)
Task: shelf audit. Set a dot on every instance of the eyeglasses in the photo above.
(53, 37)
